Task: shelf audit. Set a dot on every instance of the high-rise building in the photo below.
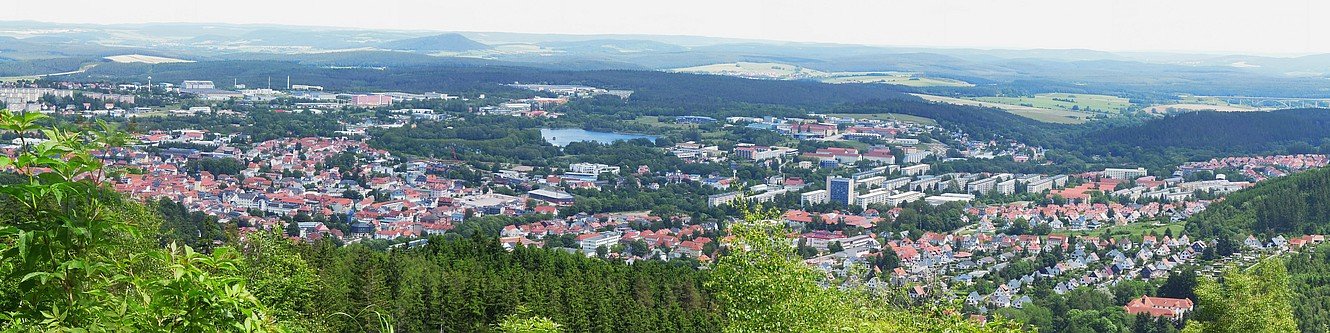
(841, 190)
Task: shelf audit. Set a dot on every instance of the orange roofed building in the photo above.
(1172, 308)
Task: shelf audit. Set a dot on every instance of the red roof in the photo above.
(1158, 306)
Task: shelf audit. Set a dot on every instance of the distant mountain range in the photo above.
(28, 48)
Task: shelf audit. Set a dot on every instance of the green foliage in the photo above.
(279, 277)
(919, 215)
(489, 139)
(1180, 284)
(193, 229)
(200, 293)
(1309, 274)
(522, 322)
(74, 249)
(1252, 300)
(464, 284)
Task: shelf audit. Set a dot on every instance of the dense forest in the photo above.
(1309, 273)
(1201, 135)
(506, 139)
(1296, 204)
(468, 284)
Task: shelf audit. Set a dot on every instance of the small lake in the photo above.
(563, 136)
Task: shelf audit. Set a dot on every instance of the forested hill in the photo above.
(1234, 132)
(977, 121)
(652, 88)
(443, 42)
(1296, 204)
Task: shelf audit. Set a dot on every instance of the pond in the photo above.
(563, 136)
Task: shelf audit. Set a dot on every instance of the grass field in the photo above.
(1199, 103)
(888, 116)
(771, 70)
(900, 78)
(1036, 113)
(147, 59)
(1133, 230)
(1067, 102)
(768, 70)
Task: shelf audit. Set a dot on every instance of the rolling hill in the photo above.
(436, 43)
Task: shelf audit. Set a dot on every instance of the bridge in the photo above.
(1276, 102)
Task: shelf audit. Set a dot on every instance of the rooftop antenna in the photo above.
(288, 82)
(269, 83)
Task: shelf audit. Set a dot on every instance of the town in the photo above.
(862, 196)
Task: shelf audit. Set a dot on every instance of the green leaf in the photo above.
(42, 276)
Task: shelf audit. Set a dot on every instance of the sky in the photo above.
(1265, 27)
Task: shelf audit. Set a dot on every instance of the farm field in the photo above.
(1200, 103)
(1036, 113)
(146, 59)
(899, 78)
(762, 70)
(779, 71)
(1068, 102)
(1199, 107)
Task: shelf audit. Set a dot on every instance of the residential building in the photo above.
(903, 197)
(948, 197)
(876, 196)
(915, 170)
(896, 183)
(723, 198)
(1005, 188)
(816, 197)
(606, 239)
(841, 190)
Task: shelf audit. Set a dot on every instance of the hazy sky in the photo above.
(1252, 26)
